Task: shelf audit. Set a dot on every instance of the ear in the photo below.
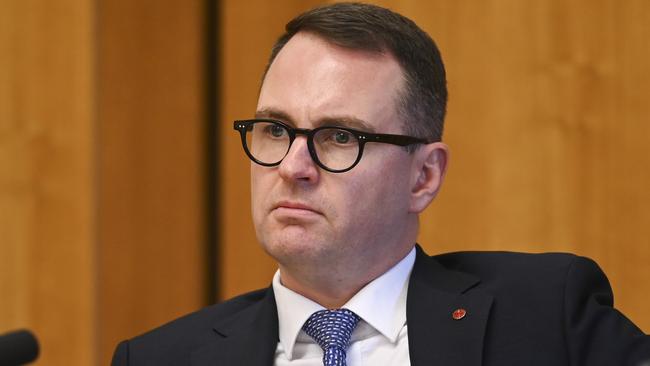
(430, 165)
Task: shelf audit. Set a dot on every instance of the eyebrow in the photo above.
(335, 121)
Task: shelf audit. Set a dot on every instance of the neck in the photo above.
(325, 293)
(334, 289)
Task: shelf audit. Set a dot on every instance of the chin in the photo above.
(293, 247)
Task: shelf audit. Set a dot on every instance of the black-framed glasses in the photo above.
(335, 149)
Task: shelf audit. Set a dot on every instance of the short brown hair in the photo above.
(422, 103)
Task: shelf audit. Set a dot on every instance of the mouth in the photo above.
(295, 207)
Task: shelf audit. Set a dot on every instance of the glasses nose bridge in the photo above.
(308, 133)
(303, 131)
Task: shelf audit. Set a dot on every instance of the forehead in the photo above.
(312, 79)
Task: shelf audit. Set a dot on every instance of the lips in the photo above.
(292, 205)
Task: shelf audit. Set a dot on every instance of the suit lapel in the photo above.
(435, 338)
(249, 337)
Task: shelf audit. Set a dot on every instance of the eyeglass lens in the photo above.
(269, 143)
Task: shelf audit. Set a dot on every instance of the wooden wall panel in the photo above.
(547, 126)
(151, 166)
(47, 217)
(101, 171)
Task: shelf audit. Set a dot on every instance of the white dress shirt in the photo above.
(380, 338)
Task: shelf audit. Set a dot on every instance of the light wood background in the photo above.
(47, 142)
(101, 171)
(150, 166)
(547, 124)
(102, 156)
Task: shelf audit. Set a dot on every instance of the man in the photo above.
(346, 153)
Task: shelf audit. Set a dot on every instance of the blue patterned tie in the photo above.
(332, 329)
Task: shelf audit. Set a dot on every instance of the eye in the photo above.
(277, 131)
(274, 130)
(335, 138)
(342, 137)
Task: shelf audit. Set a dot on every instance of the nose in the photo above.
(298, 165)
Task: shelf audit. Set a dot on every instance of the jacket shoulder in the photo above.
(563, 302)
(540, 276)
(206, 317)
(505, 262)
(170, 343)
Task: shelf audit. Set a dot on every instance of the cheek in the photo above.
(380, 193)
(260, 187)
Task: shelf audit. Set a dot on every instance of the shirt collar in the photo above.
(389, 290)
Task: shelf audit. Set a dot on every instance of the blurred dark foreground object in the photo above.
(18, 348)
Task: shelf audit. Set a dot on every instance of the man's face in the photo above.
(304, 215)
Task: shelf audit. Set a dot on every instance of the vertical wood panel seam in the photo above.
(212, 93)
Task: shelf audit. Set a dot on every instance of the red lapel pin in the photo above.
(459, 314)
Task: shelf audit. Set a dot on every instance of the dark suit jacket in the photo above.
(522, 309)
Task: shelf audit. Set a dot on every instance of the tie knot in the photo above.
(331, 328)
